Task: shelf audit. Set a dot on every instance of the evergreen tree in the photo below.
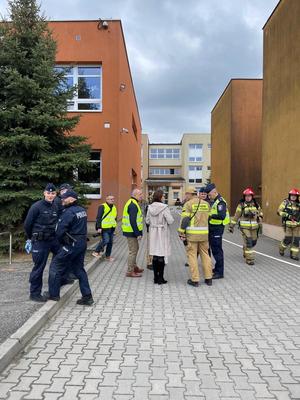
(35, 142)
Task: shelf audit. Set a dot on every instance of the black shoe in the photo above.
(296, 258)
(85, 300)
(192, 283)
(47, 296)
(250, 262)
(38, 298)
(217, 276)
(281, 252)
(162, 282)
(149, 266)
(67, 282)
(186, 265)
(208, 282)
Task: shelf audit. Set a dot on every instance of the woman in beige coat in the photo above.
(159, 218)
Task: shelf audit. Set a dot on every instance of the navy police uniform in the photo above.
(71, 233)
(216, 231)
(40, 226)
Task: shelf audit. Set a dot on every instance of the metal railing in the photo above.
(10, 244)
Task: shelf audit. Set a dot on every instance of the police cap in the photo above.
(65, 186)
(69, 193)
(210, 187)
(50, 188)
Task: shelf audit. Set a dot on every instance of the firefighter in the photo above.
(289, 211)
(249, 217)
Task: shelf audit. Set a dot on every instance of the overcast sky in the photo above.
(182, 53)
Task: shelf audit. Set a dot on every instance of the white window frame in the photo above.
(193, 147)
(164, 171)
(195, 169)
(75, 76)
(158, 153)
(94, 184)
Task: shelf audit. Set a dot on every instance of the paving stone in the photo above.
(158, 387)
(238, 339)
(36, 392)
(57, 385)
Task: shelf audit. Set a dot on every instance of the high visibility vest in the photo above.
(110, 220)
(126, 226)
(214, 211)
(198, 230)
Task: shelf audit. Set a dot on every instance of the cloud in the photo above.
(182, 54)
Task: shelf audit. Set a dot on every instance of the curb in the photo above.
(18, 340)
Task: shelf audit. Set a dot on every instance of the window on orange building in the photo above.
(92, 178)
(88, 80)
(134, 128)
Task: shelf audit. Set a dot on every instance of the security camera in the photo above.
(124, 130)
(105, 25)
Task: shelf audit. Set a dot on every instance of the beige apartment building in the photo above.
(173, 167)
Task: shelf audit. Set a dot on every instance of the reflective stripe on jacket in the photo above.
(286, 209)
(126, 226)
(248, 215)
(198, 227)
(110, 220)
(214, 211)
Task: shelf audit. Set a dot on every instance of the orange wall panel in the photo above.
(81, 42)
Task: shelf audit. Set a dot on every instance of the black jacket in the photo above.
(73, 221)
(42, 218)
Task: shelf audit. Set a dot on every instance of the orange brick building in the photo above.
(94, 56)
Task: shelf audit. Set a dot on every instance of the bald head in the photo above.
(137, 194)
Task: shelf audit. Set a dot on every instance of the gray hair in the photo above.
(135, 192)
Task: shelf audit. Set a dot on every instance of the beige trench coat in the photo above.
(159, 218)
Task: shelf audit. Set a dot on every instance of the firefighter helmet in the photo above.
(248, 191)
(294, 191)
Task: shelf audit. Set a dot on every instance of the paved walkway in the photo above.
(239, 339)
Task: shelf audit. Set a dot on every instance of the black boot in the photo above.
(161, 267)
(85, 300)
(155, 268)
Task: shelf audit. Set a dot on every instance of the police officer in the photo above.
(40, 226)
(289, 210)
(106, 223)
(194, 228)
(71, 233)
(249, 216)
(57, 201)
(219, 217)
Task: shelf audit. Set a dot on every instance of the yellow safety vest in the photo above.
(214, 211)
(126, 226)
(110, 220)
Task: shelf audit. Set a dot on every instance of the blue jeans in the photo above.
(107, 240)
(40, 254)
(69, 255)
(215, 244)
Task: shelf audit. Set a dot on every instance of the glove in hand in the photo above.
(28, 246)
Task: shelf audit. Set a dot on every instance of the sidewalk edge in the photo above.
(13, 345)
